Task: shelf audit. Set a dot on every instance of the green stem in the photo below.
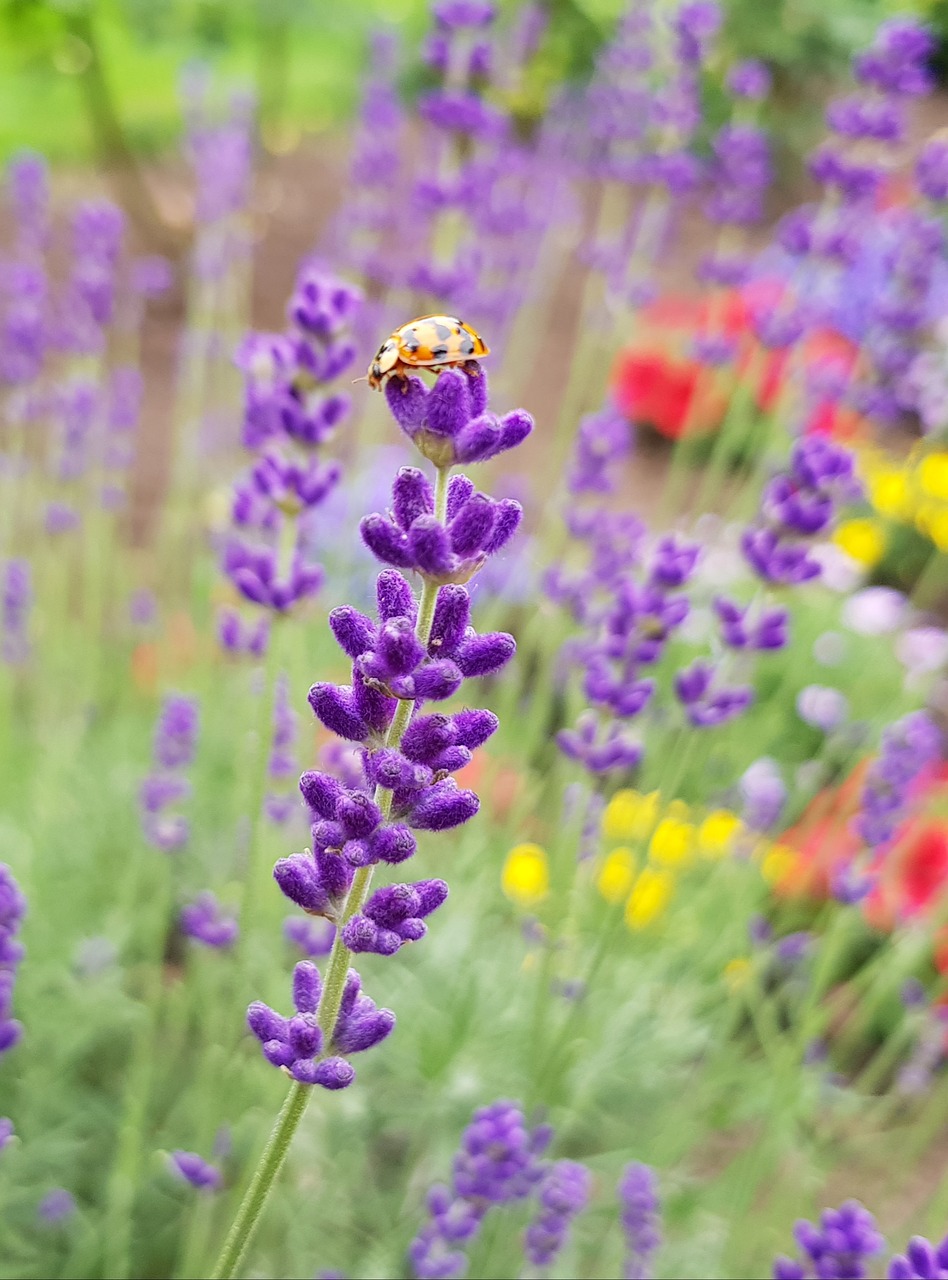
(271, 1162)
(248, 1216)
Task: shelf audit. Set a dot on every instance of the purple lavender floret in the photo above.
(190, 1168)
(841, 1245)
(7, 1132)
(563, 1193)
(296, 1044)
(922, 1260)
(450, 423)
(744, 628)
(12, 911)
(750, 79)
(641, 1220)
(204, 920)
(450, 552)
(706, 702)
(393, 916)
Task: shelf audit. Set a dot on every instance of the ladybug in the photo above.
(430, 342)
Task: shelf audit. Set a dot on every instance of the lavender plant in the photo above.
(419, 650)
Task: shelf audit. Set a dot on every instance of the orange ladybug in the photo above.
(430, 342)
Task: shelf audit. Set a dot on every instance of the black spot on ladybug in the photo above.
(442, 331)
(410, 342)
(439, 352)
(467, 345)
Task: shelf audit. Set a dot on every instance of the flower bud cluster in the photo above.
(297, 1044)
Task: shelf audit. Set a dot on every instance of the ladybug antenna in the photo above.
(364, 378)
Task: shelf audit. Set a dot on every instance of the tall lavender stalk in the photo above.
(421, 649)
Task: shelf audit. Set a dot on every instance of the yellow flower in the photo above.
(736, 972)
(717, 833)
(889, 493)
(862, 540)
(931, 520)
(616, 875)
(778, 860)
(932, 476)
(525, 879)
(629, 815)
(673, 841)
(649, 897)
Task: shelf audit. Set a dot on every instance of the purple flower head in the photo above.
(296, 1044)
(844, 1241)
(176, 732)
(765, 630)
(897, 61)
(57, 1207)
(695, 25)
(706, 703)
(204, 920)
(451, 551)
(641, 1219)
(192, 1169)
(750, 79)
(393, 916)
(450, 424)
(563, 1193)
(7, 1132)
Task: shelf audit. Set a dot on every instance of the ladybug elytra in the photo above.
(430, 342)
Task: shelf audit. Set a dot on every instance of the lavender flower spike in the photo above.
(922, 1260)
(497, 1164)
(563, 1193)
(12, 911)
(639, 1205)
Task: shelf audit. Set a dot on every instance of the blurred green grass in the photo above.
(308, 56)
